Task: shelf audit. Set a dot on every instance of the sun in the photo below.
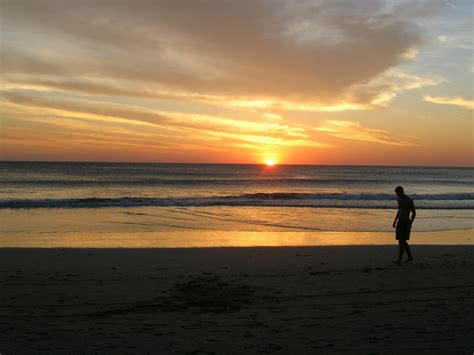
(270, 162)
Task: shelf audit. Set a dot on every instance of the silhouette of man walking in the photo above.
(402, 223)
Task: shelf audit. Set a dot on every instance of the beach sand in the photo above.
(237, 300)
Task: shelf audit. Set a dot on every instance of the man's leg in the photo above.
(407, 248)
(401, 249)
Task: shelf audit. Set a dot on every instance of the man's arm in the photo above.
(413, 212)
(396, 219)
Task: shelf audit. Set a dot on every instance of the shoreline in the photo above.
(205, 239)
(236, 300)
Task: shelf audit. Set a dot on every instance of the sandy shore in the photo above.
(237, 300)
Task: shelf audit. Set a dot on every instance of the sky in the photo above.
(358, 82)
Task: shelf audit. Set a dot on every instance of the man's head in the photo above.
(399, 191)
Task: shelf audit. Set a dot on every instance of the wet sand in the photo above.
(237, 300)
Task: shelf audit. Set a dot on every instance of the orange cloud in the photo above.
(354, 131)
(138, 126)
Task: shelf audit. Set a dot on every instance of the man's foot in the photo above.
(408, 260)
(397, 262)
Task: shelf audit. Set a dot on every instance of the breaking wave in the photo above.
(327, 200)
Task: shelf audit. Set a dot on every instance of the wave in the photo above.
(222, 181)
(361, 196)
(327, 200)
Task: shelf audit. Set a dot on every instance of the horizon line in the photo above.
(214, 163)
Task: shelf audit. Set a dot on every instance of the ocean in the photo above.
(109, 200)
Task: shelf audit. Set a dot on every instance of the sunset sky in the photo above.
(242, 81)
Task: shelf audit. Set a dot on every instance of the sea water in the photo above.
(42, 198)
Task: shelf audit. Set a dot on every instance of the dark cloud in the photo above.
(302, 51)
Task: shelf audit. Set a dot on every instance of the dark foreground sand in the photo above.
(237, 300)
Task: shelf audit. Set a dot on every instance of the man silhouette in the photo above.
(402, 223)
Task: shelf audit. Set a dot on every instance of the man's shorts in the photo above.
(403, 230)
